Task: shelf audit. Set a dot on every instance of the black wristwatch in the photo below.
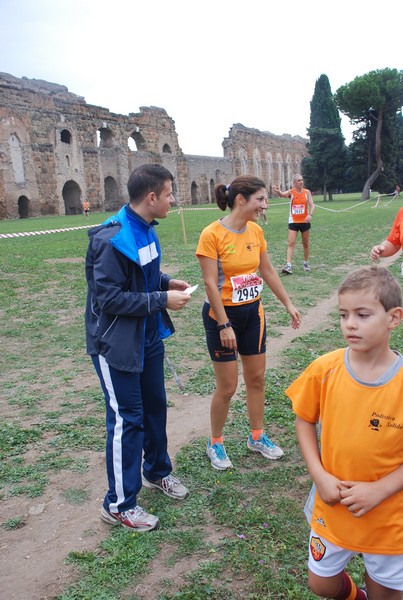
(221, 327)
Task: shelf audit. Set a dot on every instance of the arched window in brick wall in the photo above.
(138, 140)
(65, 136)
(166, 149)
(105, 138)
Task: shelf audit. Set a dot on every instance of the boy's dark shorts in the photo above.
(302, 227)
(249, 324)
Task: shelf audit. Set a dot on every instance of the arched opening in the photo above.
(72, 198)
(194, 193)
(131, 144)
(65, 136)
(67, 160)
(112, 201)
(138, 139)
(167, 149)
(23, 207)
(105, 138)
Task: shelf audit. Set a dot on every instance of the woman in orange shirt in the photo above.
(232, 253)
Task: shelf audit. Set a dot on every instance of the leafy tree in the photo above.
(372, 102)
(325, 165)
(363, 161)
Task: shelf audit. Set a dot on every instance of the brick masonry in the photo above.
(57, 151)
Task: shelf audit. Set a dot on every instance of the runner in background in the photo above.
(301, 211)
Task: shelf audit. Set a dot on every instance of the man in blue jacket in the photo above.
(126, 320)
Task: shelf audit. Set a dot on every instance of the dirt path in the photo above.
(32, 563)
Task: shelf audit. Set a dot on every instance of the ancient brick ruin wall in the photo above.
(57, 151)
(274, 158)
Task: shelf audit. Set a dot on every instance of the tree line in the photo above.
(374, 159)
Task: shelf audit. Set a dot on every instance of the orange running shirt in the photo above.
(361, 440)
(238, 258)
(395, 236)
(298, 206)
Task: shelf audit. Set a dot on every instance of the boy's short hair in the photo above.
(379, 281)
(147, 178)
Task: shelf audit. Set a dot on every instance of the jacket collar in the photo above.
(124, 241)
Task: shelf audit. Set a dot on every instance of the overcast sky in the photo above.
(209, 64)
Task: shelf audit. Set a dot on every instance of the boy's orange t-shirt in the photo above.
(361, 440)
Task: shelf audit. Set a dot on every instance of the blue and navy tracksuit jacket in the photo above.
(126, 290)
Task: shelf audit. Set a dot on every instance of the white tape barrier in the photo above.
(30, 233)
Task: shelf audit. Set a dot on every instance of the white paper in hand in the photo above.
(192, 289)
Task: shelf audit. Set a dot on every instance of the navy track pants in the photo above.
(136, 415)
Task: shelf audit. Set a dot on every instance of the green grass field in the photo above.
(256, 508)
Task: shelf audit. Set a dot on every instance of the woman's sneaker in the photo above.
(306, 266)
(265, 447)
(169, 485)
(287, 269)
(135, 519)
(218, 456)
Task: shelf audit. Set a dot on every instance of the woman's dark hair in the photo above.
(145, 179)
(246, 185)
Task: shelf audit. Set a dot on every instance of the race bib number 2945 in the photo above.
(246, 287)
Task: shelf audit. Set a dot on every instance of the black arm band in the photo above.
(221, 327)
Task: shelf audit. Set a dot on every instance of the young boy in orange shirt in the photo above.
(355, 397)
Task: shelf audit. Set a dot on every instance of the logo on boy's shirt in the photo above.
(388, 421)
(317, 548)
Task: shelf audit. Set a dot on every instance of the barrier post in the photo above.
(183, 225)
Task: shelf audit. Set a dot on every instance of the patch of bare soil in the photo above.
(33, 557)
